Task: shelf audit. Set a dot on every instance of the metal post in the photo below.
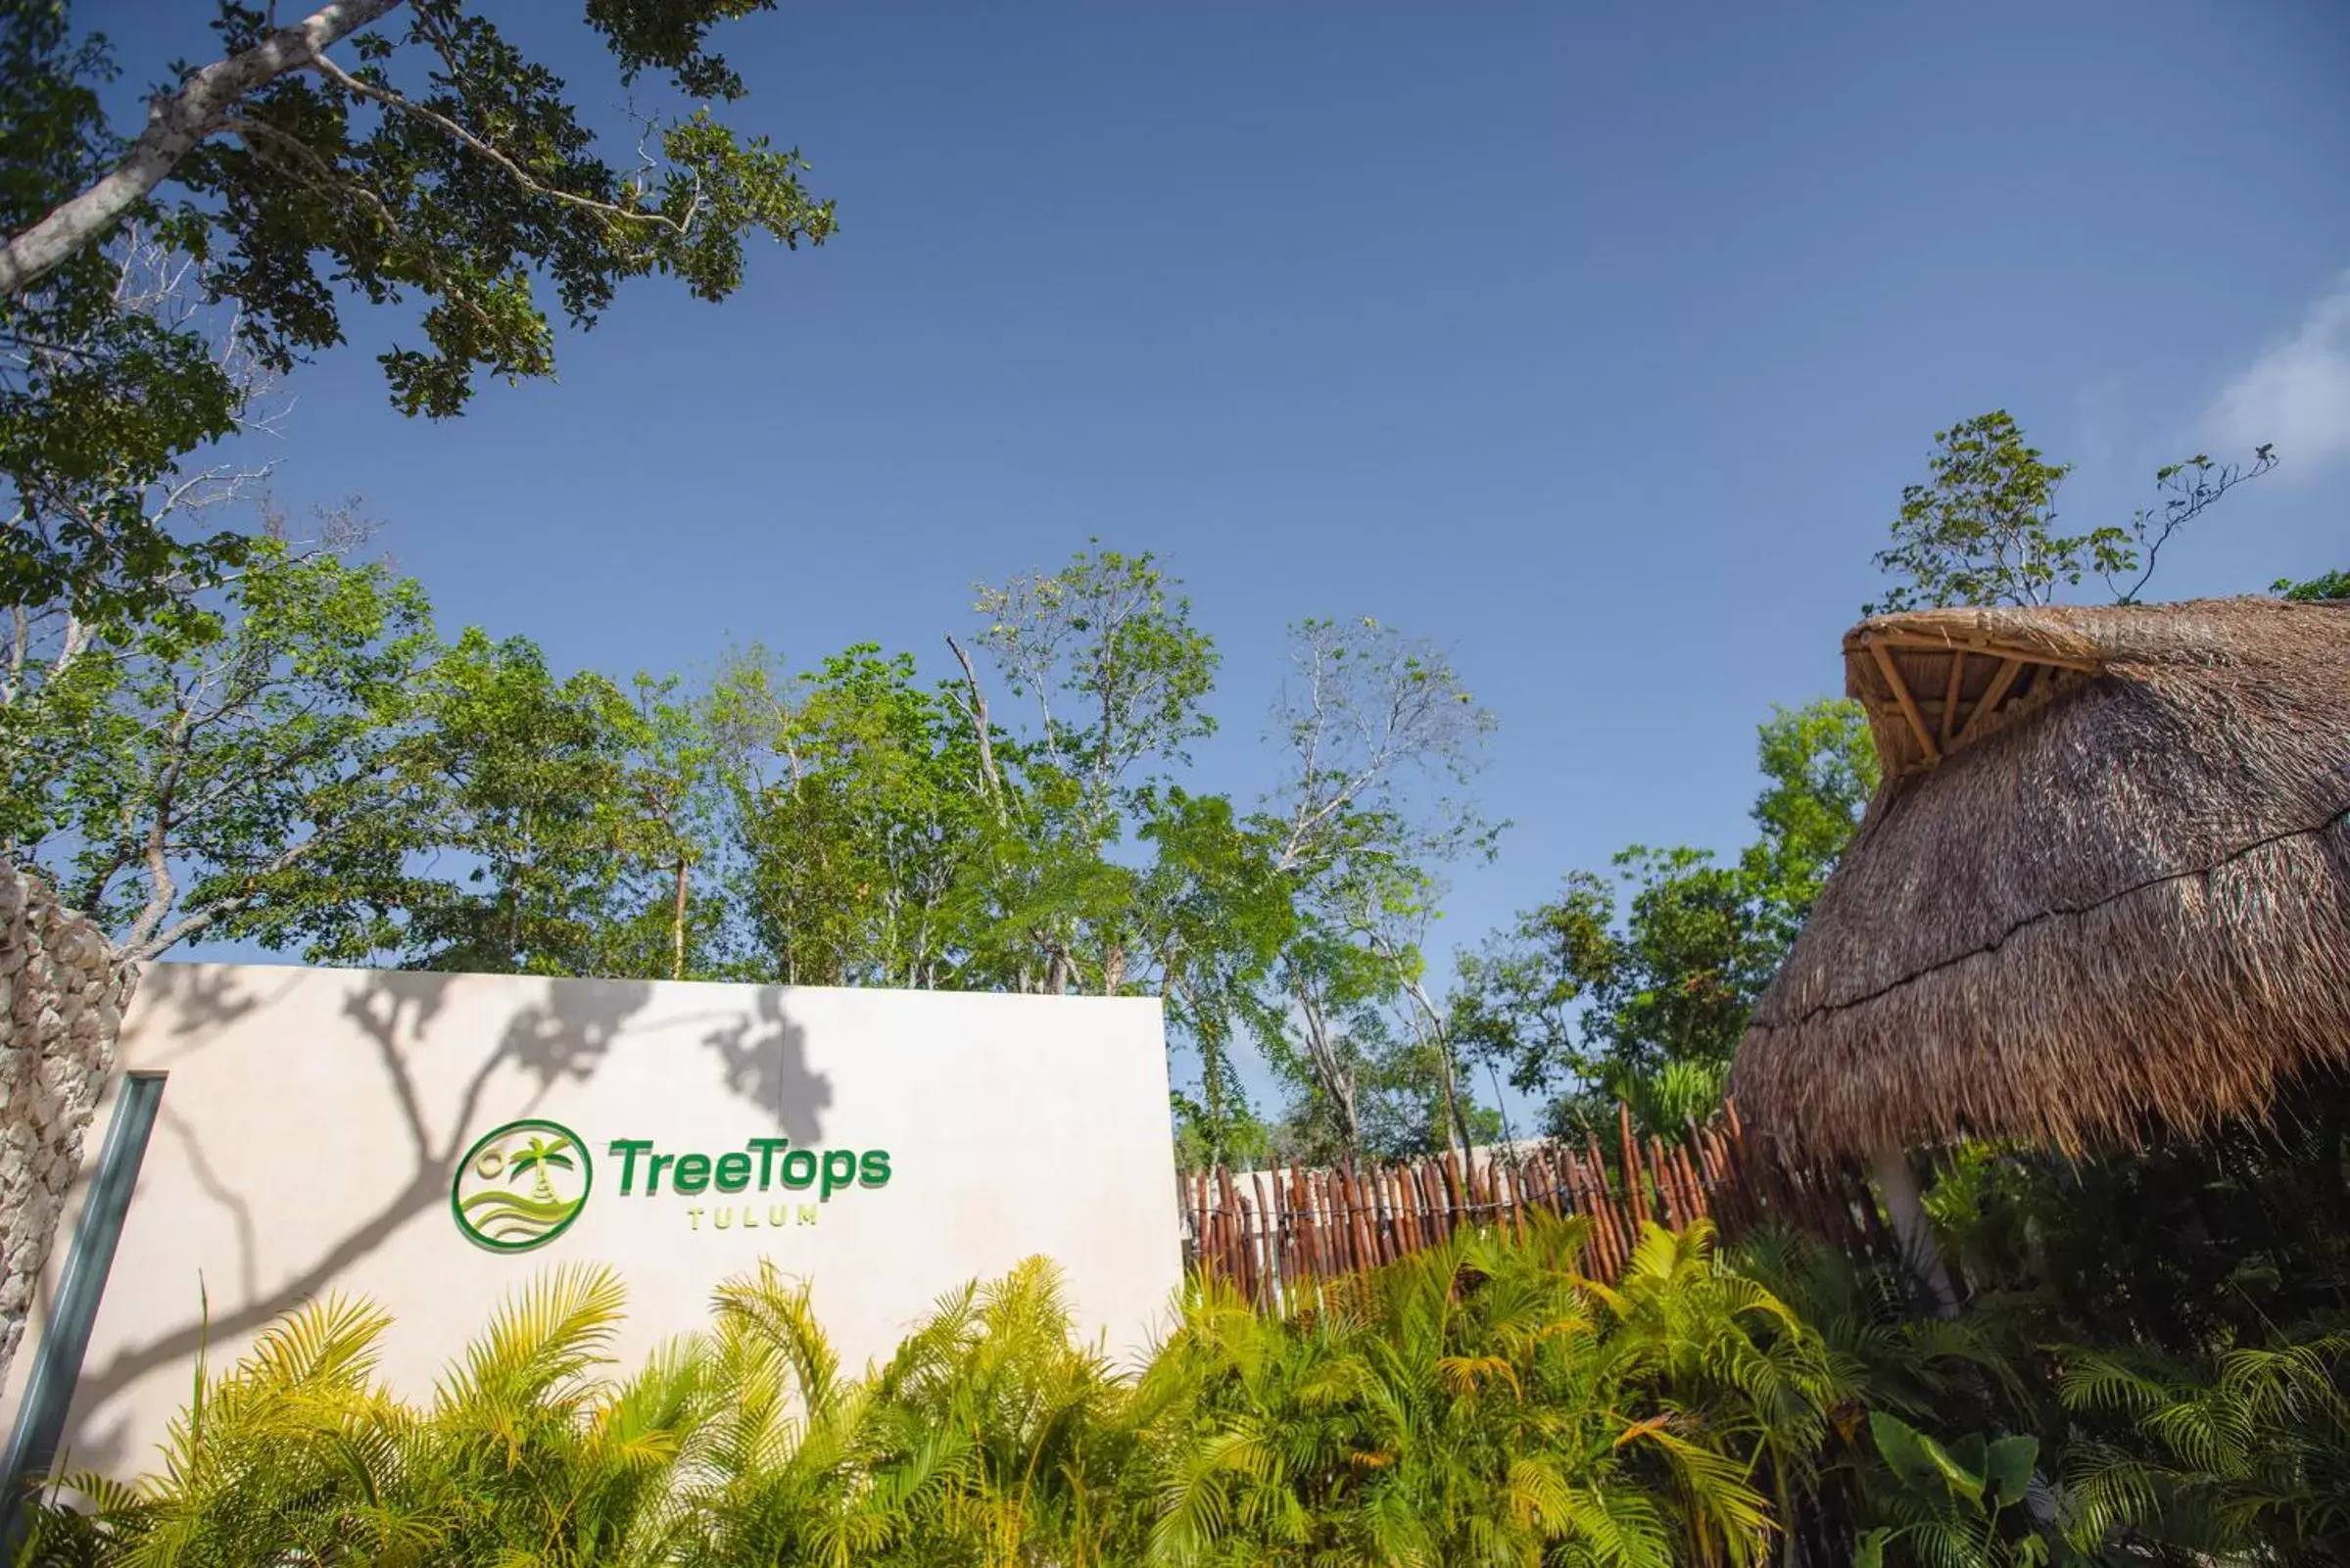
(65, 1334)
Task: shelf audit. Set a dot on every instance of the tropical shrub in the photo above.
(2245, 1456)
(1483, 1403)
(1959, 1504)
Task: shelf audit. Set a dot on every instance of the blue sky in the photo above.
(1594, 341)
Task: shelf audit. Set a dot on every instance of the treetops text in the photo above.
(768, 1162)
(795, 1168)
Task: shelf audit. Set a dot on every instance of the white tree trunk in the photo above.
(61, 995)
(1905, 1203)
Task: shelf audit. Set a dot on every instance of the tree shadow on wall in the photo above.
(565, 1035)
(766, 1060)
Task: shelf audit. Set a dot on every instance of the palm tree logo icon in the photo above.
(520, 1185)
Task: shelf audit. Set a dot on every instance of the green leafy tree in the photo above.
(217, 771)
(1213, 915)
(435, 159)
(1105, 651)
(1819, 766)
(1383, 740)
(1639, 986)
(517, 784)
(672, 823)
(863, 825)
(222, 772)
(1983, 527)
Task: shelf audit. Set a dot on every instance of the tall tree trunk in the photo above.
(990, 779)
(1212, 1085)
(676, 925)
(1337, 1080)
(1457, 1119)
(1904, 1204)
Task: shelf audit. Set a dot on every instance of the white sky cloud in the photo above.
(2296, 393)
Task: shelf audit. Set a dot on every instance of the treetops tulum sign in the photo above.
(522, 1185)
(434, 1142)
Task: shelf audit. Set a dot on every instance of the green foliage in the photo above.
(1983, 527)
(1819, 767)
(1384, 740)
(322, 773)
(863, 836)
(1641, 994)
(444, 167)
(1959, 1505)
(2180, 1310)
(523, 776)
(212, 770)
(2327, 586)
(2246, 1453)
(1483, 1403)
(1106, 649)
(104, 385)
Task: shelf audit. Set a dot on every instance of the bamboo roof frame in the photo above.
(1905, 660)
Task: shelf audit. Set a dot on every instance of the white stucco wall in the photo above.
(313, 1121)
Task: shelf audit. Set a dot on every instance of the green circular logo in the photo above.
(521, 1185)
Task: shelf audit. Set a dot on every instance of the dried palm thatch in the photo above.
(2103, 891)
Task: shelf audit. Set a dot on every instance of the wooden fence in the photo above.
(1275, 1232)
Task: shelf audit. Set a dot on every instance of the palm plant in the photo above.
(1486, 1402)
(2246, 1456)
(525, 1455)
(282, 1458)
(802, 1464)
(1040, 1418)
(530, 1454)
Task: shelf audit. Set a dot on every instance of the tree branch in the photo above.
(514, 172)
(176, 123)
(163, 941)
(978, 724)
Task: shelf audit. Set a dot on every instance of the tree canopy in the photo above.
(297, 757)
(1982, 527)
(402, 153)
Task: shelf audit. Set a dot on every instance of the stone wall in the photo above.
(60, 1009)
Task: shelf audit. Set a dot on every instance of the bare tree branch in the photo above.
(980, 726)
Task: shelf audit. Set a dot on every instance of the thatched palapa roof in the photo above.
(2104, 888)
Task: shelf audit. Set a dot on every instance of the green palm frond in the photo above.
(541, 1346)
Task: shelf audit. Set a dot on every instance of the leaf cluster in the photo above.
(445, 168)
